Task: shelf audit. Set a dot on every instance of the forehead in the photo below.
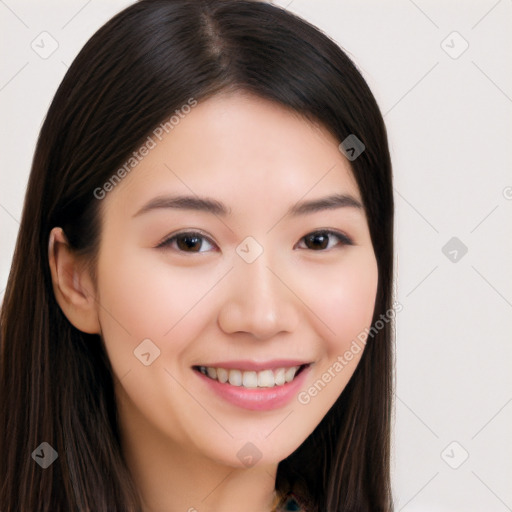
(238, 148)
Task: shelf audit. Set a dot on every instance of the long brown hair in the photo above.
(56, 382)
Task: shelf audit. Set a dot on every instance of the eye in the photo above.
(193, 242)
(325, 239)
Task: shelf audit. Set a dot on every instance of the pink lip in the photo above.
(255, 366)
(256, 399)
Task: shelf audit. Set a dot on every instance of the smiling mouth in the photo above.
(252, 379)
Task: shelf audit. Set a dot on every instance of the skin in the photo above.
(180, 439)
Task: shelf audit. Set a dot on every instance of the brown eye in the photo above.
(317, 241)
(321, 240)
(188, 242)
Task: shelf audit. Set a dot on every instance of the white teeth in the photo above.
(222, 375)
(279, 377)
(251, 379)
(289, 374)
(235, 377)
(266, 379)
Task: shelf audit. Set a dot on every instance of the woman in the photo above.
(198, 311)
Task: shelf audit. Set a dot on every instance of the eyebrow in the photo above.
(205, 204)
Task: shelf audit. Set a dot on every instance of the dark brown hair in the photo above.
(56, 382)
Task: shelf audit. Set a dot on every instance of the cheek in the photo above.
(343, 310)
(154, 301)
(346, 301)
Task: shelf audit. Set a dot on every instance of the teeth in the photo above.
(279, 377)
(251, 379)
(222, 375)
(289, 374)
(235, 377)
(266, 379)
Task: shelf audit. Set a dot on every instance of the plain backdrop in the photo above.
(441, 73)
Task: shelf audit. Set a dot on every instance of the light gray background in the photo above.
(450, 131)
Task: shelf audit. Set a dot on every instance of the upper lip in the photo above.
(248, 365)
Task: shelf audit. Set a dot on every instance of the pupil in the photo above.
(319, 240)
(189, 242)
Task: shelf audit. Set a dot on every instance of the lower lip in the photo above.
(256, 399)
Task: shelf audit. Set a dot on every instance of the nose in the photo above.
(259, 301)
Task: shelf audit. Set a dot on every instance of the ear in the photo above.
(72, 285)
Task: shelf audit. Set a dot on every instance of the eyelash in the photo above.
(343, 239)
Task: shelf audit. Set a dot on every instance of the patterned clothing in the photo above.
(289, 503)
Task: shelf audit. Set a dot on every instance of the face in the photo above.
(235, 250)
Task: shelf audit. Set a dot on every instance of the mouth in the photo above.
(251, 379)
